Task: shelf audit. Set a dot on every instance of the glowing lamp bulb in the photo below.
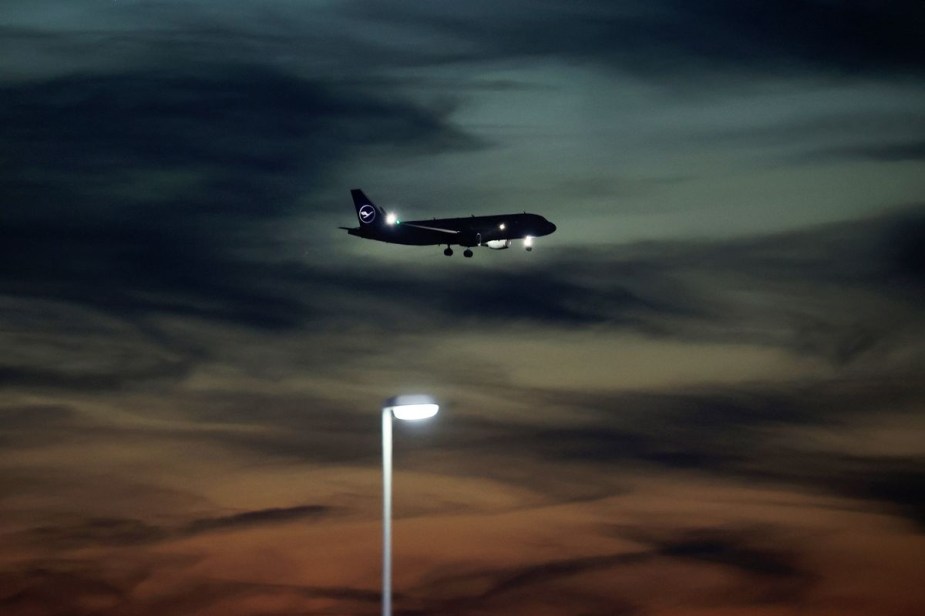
(391, 218)
(415, 411)
(411, 407)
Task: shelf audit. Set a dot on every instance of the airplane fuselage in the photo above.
(470, 232)
(495, 231)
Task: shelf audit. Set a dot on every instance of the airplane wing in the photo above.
(438, 229)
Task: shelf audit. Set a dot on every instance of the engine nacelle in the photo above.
(498, 244)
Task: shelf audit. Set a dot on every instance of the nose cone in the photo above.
(538, 226)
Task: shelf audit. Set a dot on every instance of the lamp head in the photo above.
(411, 407)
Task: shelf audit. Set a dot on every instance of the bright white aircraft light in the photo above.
(528, 241)
(502, 226)
(391, 218)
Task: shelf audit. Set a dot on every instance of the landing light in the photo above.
(391, 218)
(502, 226)
(528, 241)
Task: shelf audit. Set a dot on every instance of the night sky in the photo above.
(703, 394)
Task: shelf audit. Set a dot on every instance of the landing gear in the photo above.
(466, 253)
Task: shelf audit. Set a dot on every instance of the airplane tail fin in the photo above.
(368, 213)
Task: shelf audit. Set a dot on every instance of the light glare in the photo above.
(411, 406)
(415, 411)
(391, 218)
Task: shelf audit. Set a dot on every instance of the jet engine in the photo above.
(498, 244)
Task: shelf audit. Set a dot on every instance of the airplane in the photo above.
(495, 232)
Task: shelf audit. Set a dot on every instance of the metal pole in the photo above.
(387, 512)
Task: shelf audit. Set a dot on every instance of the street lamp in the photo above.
(409, 407)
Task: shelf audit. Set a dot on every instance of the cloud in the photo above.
(752, 574)
(896, 480)
(97, 532)
(183, 325)
(150, 192)
(36, 415)
(782, 291)
(520, 589)
(906, 151)
(762, 433)
(67, 590)
(844, 292)
(671, 39)
(727, 548)
(120, 532)
(537, 576)
(145, 192)
(674, 43)
(145, 586)
(53, 379)
(839, 291)
(262, 517)
(847, 294)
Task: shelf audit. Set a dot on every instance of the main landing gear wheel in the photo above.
(448, 251)
(467, 253)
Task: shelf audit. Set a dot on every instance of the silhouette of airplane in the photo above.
(495, 232)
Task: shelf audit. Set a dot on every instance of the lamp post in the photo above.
(408, 407)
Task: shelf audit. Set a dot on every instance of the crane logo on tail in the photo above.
(367, 213)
